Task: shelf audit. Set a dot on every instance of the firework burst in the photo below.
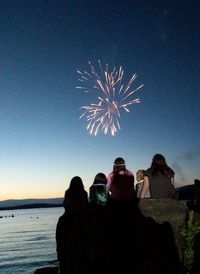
(113, 97)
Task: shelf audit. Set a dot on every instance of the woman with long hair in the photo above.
(159, 178)
(76, 196)
(73, 240)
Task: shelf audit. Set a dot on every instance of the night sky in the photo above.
(42, 45)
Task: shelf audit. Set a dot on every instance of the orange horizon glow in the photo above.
(16, 195)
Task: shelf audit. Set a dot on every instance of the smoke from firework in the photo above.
(186, 158)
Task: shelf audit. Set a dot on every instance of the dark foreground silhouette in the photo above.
(113, 240)
(138, 244)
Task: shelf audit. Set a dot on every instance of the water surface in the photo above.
(27, 240)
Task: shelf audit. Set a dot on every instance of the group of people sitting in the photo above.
(155, 182)
(105, 232)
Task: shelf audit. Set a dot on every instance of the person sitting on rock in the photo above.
(159, 178)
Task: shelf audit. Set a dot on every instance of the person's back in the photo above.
(73, 231)
(160, 185)
(119, 168)
(159, 178)
(122, 187)
(99, 199)
(72, 235)
(99, 193)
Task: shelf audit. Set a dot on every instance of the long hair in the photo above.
(76, 187)
(159, 165)
(75, 195)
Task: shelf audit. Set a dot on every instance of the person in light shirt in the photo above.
(139, 183)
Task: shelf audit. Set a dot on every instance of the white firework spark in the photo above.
(113, 97)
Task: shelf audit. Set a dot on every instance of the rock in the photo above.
(166, 210)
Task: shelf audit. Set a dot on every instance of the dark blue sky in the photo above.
(42, 45)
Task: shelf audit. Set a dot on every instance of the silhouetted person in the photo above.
(159, 178)
(99, 198)
(122, 222)
(121, 181)
(73, 231)
(118, 166)
(98, 192)
(137, 244)
(119, 240)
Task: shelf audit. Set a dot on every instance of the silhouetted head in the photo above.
(76, 184)
(119, 164)
(76, 188)
(159, 159)
(75, 195)
(100, 178)
(159, 165)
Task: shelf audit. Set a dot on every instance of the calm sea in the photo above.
(27, 240)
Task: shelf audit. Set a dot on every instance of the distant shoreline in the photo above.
(186, 192)
(30, 206)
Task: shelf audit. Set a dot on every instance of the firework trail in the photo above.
(113, 97)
